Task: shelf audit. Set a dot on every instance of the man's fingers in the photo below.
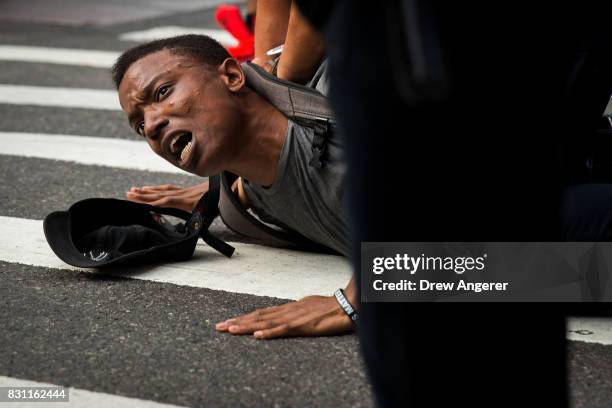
(222, 326)
(179, 193)
(159, 200)
(161, 187)
(147, 197)
(236, 326)
(175, 202)
(283, 330)
(139, 198)
(163, 202)
(256, 314)
(263, 329)
(259, 316)
(148, 189)
(251, 327)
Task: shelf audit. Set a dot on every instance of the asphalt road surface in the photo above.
(150, 339)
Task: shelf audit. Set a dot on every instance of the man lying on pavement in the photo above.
(190, 101)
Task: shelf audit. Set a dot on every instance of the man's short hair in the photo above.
(199, 47)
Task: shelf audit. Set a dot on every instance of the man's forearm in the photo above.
(303, 50)
(270, 26)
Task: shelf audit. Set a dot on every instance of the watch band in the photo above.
(346, 306)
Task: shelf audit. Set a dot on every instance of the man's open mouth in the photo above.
(180, 146)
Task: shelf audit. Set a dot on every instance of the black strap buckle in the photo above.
(319, 142)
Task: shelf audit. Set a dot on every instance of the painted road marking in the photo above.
(63, 97)
(590, 329)
(98, 13)
(254, 269)
(156, 33)
(78, 398)
(64, 56)
(125, 154)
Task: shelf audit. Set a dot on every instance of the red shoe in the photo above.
(244, 51)
(230, 19)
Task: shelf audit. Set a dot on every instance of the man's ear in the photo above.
(232, 75)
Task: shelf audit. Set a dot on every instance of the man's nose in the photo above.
(154, 122)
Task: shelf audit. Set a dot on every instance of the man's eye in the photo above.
(162, 91)
(140, 128)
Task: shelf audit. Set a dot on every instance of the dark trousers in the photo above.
(482, 162)
(456, 168)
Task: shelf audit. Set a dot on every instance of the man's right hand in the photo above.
(167, 195)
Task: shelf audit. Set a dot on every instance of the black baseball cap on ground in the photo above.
(103, 232)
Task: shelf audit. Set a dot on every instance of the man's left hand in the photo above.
(310, 316)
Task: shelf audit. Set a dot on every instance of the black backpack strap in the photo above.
(322, 132)
(208, 209)
(294, 100)
(302, 104)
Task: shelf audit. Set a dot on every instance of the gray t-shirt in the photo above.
(303, 198)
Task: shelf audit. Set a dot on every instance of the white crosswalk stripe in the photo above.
(590, 329)
(156, 33)
(64, 56)
(78, 398)
(119, 153)
(253, 269)
(61, 97)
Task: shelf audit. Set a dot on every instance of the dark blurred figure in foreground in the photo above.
(458, 128)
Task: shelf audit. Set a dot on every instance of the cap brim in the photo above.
(57, 231)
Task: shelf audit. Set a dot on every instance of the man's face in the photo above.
(187, 111)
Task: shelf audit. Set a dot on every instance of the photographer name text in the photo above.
(414, 264)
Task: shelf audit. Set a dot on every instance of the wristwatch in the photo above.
(346, 306)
